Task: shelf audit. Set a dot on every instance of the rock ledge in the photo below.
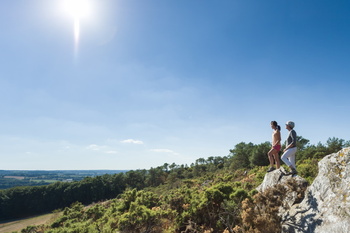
(326, 206)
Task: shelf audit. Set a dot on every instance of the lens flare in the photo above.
(77, 9)
(76, 34)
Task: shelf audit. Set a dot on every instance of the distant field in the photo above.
(46, 181)
(19, 224)
(15, 178)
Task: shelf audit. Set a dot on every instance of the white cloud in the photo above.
(94, 147)
(111, 152)
(164, 151)
(103, 149)
(132, 141)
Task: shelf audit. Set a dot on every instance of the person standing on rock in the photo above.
(288, 156)
(276, 147)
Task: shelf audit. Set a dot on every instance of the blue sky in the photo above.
(153, 82)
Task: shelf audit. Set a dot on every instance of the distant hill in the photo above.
(15, 178)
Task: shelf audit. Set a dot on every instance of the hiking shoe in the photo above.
(293, 172)
(271, 169)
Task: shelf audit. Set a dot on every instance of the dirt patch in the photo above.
(18, 225)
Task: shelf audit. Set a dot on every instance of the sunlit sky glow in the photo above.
(129, 84)
(78, 10)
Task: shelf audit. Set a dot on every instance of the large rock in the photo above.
(279, 176)
(326, 206)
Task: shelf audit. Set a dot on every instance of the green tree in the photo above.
(302, 143)
(240, 155)
(334, 145)
(156, 176)
(136, 179)
(259, 155)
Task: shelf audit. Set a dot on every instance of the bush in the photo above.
(308, 169)
(261, 213)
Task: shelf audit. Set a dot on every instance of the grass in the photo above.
(19, 224)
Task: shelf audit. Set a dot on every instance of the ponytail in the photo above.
(274, 123)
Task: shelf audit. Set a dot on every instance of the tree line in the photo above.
(26, 201)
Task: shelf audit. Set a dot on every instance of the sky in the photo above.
(135, 84)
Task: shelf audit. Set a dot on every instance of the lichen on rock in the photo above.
(326, 206)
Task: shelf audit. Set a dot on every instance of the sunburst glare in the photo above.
(77, 9)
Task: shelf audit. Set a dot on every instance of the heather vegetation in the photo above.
(216, 194)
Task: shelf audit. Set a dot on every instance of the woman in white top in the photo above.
(288, 156)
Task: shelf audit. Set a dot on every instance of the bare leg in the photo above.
(277, 160)
(271, 155)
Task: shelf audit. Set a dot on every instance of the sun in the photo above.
(77, 8)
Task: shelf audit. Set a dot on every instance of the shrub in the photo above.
(308, 169)
(261, 213)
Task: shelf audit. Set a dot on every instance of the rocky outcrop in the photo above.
(279, 176)
(326, 203)
(326, 206)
